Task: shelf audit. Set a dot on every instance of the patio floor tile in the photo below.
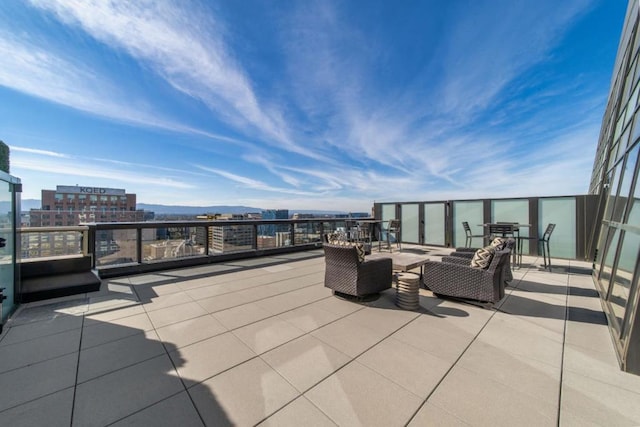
(308, 317)
(115, 355)
(305, 361)
(432, 415)
(298, 413)
(176, 410)
(33, 330)
(349, 337)
(25, 353)
(415, 370)
(588, 400)
(164, 301)
(38, 380)
(97, 333)
(478, 400)
(51, 410)
(356, 395)
(244, 395)
(202, 360)
(111, 397)
(527, 375)
(190, 331)
(242, 315)
(267, 334)
(176, 314)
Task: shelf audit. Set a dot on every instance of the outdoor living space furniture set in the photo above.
(481, 277)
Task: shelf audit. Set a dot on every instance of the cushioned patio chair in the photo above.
(466, 282)
(346, 273)
(467, 254)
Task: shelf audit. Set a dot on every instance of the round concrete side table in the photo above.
(407, 290)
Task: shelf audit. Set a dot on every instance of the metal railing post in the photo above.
(139, 245)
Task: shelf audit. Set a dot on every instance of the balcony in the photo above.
(261, 341)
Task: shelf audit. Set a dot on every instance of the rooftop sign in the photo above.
(75, 189)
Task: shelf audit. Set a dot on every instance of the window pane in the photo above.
(624, 274)
(609, 253)
(625, 186)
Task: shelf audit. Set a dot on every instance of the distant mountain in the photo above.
(28, 204)
(195, 210)
(201, 210)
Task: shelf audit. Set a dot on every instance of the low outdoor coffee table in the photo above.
(407, 284)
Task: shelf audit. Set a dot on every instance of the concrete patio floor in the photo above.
(262, 341)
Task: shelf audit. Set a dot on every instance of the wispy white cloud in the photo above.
(40, 71)
(252, 183)
(186, 48)
(62, 164)
(36, 151)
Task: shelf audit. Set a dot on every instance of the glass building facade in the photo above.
(615, 181)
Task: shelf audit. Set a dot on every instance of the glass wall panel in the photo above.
(410, 223)
(625, 186)
(7, 261)
(612, 190)
(560, 211)
(624, 274)
(388, 212)
(609, 257)
(472, 212)
(434, 221)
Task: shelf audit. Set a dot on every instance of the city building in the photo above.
(72, 206)
(272, 229)
(615, 180)
(228, 238)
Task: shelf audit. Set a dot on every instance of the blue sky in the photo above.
(306, 104)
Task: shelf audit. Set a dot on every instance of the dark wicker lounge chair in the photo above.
(464, 281)
(345, 274)
(467, 253)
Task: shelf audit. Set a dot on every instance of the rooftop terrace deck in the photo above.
(262, 341)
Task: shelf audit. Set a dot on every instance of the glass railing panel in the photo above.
(116, 247)
(47, 243)
(161, 244)
(560, 211)
(472, 212)
(434, 220)
(7, 261)
(238, 238)
(306, 233)
(273, 236)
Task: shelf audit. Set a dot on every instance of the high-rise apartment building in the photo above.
(71, 206)
(615, 179)
(228, 238)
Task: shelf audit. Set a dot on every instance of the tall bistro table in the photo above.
(506, 229)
